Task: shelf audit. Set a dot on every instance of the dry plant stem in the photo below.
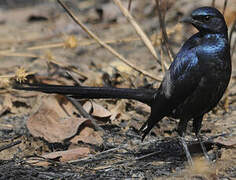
(226, 103)
(18, 54)
(233, 47)
(81, 110)
(146, 155)
(129, 6)
(9, 145)
(73, 77)
(225, 4)
(122, 146)
(164, 33)
(233, 29)
(98, 154)
(162, 60)
(65, 66)
(213, 3)
(28, 40)
(103, 44)
(46, 46)
(138, 30)
(82, 43)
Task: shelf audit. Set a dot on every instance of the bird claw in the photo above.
(143, 130)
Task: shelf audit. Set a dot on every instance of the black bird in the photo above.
(192, 86)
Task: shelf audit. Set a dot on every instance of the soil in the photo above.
(40, 37)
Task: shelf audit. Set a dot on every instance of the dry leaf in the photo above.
(118, 110)
(229, 142)
(7, 101)
(69, 155)
(52, 122)
(88, 106)
(88, 135)
(97, 110)
(100, 111)
(37, 161)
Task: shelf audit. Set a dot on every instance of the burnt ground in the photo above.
(35, 36)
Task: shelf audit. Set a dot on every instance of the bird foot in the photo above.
(188, 155)
(203, 148)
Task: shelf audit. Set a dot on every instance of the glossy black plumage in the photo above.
(193, 85)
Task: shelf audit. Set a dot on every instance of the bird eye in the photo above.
(206, 18)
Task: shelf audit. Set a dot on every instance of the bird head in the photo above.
(207, 19)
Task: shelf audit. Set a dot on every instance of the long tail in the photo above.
(143, 95)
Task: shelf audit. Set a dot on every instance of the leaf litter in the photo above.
(51, 132)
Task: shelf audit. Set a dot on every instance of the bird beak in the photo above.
(187, 19)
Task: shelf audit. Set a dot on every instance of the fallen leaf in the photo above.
(229, 142)
(118, 110)
(52, 122)
(68, 155)
(88, 135)
(97, 110)
(37, 161)
(88, 106)
(100, 111)
(4, 110)
(7, 101)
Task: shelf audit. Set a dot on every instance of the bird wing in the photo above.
(183, 77)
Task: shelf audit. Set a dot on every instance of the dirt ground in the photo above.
(45, 137)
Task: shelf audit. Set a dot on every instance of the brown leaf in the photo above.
(229, 142)
(7, 101)
(97, 110)
(52, 122)
(100, 111)
(118, 110)
(88, 106)
(69, 155)
(37, 161)
(88, 135)
(3, 110)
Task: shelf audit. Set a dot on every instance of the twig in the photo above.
(93, 157)
(7, 53)
(225, 4)
(213, 3)
(81, 110)
(47, 46)
(10, 145)
(50, 58)
(233, 47)
(233, 29)
(74, 78)
(103, 44)
(138, 30)
(163, 29)
(68, 67)
(146, 155)
(83, 43)
(162, 60)
(129, 6)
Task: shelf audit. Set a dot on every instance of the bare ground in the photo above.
(33, 36)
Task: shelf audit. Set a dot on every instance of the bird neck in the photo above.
(223, 34)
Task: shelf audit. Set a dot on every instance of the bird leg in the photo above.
(203, 148)
(187, 153)
(197, 122)
(147, 126)
(181, 129)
